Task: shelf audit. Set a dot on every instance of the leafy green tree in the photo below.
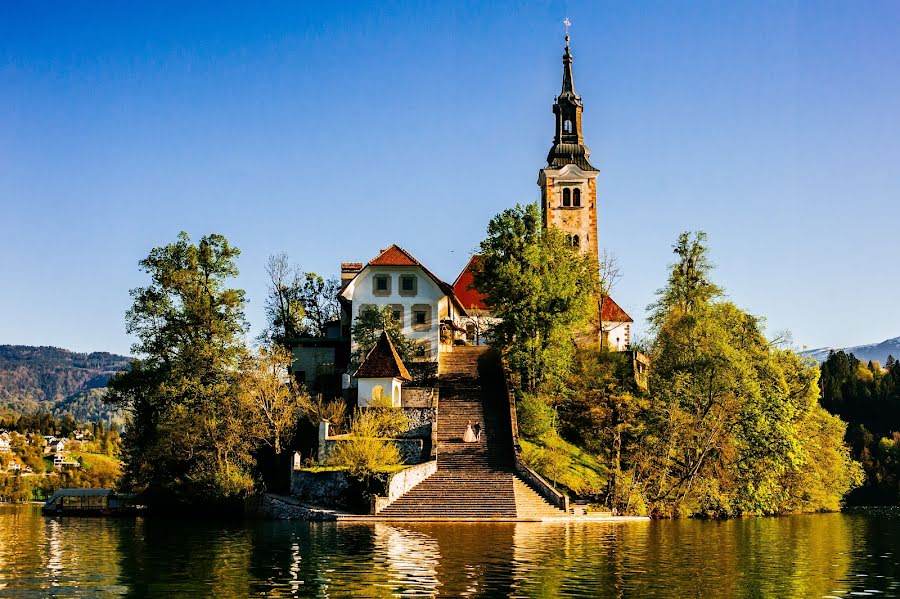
(320, 302)
(298, 304)
(732, 414)
(284, 308)
(367, 329)
(270, 396)
(186, 435)
(542, 290)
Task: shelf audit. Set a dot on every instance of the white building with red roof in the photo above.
(615, 325)
(479, 319)
(426, 306)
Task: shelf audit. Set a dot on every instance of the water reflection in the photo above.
(801, 556)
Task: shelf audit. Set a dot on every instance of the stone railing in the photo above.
(401, 482)
(537, 482)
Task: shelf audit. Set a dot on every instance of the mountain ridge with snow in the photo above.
(872, 351)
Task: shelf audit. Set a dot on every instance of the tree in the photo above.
(320, 302)
(186, 431)
(689, 287)
(270, 395)
(731, 430)
(610, 273)
(541, 290)
(284, 304)
(298, 304)
(367, 329)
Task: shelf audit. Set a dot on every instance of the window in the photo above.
(568, 239)
(408, 284)
(397, 312)
(421, 317)
(420, 351)
(567, 197)
(567, 126)
(381, 285)
(576, 197)
(470, 331)
(575, 242)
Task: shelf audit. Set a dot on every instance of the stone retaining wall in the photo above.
(280, 509)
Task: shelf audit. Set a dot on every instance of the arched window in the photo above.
(567, 126)
(575, 242)
(576, 197)
(567, 197)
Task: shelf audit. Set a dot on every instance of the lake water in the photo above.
(827, 555)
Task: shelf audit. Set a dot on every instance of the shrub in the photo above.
(535, 417)
(316, 410)
(367, 448)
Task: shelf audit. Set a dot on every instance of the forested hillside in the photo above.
(867, 396)
(56, 380)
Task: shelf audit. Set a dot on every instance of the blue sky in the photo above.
(329, 132)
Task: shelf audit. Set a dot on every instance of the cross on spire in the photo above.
(567, 23)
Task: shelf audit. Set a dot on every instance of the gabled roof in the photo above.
(382, 361)
(463, 287)
(397, 256)
(611, 312)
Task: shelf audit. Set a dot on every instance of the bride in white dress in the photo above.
(469, 436)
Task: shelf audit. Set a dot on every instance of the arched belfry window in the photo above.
(576, 197)
(567, 126)
(575, 242)
(567, 197)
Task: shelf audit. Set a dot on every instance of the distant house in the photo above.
(56, 446)
(60, 461)
(4, 442)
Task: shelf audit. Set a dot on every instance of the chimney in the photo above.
(348, 271)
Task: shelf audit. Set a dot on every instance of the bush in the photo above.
(316, 410)
(367, 448)
(535, 417)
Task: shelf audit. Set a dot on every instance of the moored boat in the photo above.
(90, 502)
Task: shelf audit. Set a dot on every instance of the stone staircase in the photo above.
(473, 480)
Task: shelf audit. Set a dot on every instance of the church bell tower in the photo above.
(569, 182)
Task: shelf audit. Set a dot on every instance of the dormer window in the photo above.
(567, 197)
(576, 197)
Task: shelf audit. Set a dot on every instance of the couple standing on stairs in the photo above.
(473, 433)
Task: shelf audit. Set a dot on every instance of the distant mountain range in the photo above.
(57, 380)
(866, 353)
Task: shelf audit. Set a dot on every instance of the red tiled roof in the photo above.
(394, 256)
(611, 312)
(464, 290)
(397, 256)
(382, 361)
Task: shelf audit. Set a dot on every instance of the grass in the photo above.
(90, 460)
(564, 464)
(384, 469)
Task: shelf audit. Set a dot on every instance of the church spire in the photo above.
(568, 142)
(568, 84)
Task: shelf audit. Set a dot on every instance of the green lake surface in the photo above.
(823, 555)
